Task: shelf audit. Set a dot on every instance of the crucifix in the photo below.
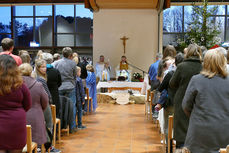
(124, 39)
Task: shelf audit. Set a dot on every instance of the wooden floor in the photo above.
(114, 129)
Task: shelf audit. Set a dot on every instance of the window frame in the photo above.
(183, 32)
(53, 46)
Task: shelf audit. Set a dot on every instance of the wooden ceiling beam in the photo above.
(40, 1)
(127, 4)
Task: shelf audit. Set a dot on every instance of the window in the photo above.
(23, 10)
(72, 25)
(5, 22)
(23, 31)
(176, 20)
(227, 29)
(43, 31)
(45, 10)
(173, 18)
(83, 26)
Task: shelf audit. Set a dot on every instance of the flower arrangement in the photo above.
(137, 77)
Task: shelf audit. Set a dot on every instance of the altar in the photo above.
(121, 86)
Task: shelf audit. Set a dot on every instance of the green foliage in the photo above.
(202, 29)
(137, 77)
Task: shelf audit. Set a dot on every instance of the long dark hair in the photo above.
(10, 77)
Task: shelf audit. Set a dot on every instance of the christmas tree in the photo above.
(202, 28)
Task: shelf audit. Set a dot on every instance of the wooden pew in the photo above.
(170, 134)
(56, 121)
(147, 102)
(30, 146)
(88, 99)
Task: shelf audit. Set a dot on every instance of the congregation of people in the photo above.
(192, 85)
(29, 88)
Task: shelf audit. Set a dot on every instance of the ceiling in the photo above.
(127, 4)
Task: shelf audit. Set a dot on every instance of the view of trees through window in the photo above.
(71, 25)
(176, 19)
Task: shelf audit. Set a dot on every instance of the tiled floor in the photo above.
(114, 129)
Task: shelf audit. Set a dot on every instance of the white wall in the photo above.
(141, 26)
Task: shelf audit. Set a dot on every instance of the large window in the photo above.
(5, 23)
(47, 25)
(176, 19)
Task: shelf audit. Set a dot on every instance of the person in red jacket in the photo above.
(15, 101)
(8, 47)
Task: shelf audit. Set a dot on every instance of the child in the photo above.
(80, 97)
(91, 85)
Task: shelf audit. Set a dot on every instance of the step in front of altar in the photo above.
(121, 98)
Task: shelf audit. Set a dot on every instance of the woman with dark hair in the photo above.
(180, 79)
(15, 100)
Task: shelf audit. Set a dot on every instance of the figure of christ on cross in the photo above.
(124, 39)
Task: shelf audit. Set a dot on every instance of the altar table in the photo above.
(121, 85)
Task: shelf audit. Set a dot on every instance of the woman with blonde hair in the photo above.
(206, 101)
(179, 81)
(40, 75)
(15, 101)
(75, 58)
(35, 116)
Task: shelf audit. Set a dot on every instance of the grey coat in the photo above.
(35, 116)
(180, 80)
(67, 69)
(208, 101)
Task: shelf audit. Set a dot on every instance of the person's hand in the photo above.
(83, 103)
(158, 107)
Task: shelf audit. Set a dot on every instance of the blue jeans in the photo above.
(79, 113)
(71, 93)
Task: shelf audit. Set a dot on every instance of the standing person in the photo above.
(15, 101)
(169, 95)
(83, 75)
(67, 69)
(123, 64)
(53, 81)
(102, 67)
(154, 82)
(41, 76)
(56, 57)
(8, 47)
(180, 79)
(206, 102)
(91, 85)
(169, 51)
(35, 116)
(80, 97)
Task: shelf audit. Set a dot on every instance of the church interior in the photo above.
(114, 76)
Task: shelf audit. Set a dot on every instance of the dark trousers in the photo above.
(79, 113)
(154, 84)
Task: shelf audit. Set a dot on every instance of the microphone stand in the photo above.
(138, 69)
